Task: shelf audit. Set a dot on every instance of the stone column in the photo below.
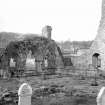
(101, 97)
(24, 93)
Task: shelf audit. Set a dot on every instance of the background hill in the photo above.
(7, 37)
(69, 45)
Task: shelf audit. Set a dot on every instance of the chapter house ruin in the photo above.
(32, 52)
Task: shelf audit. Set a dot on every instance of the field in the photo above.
(67, 89)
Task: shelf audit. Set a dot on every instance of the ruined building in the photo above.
(97, 50)
(95, 56)
(31, 52)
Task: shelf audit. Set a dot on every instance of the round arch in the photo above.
(96, 60)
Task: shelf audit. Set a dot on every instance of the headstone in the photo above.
(101, 97)
(24, 93)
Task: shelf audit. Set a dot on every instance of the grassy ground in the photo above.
(82, 91)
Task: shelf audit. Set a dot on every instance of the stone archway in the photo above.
(12, 66)
(30, 62)
(96, 60)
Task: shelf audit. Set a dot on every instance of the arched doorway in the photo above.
(30, 62)
(96, 60)
(12, 67)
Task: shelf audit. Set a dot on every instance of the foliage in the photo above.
(6, 38)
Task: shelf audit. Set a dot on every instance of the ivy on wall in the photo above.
(18, 50)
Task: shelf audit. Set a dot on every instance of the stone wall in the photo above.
(97, 47)
(41, 48)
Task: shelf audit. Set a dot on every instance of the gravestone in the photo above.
(24, 93)
(101, 97)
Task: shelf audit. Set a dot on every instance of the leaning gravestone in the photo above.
(24, 93)
(101, 97)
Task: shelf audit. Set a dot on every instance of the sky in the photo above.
(70, 19)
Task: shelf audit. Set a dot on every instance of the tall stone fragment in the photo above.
(98, 46)
(96, 53)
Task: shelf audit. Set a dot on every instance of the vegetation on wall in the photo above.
(39, 46)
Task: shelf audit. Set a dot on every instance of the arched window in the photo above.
(46, 62)
(96, 60)
(12, 63)
(30, 62)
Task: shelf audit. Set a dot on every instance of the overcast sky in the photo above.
(70, 19)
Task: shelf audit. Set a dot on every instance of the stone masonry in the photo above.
(95, 56)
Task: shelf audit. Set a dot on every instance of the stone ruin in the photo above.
(95, 56)
(32, 53)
